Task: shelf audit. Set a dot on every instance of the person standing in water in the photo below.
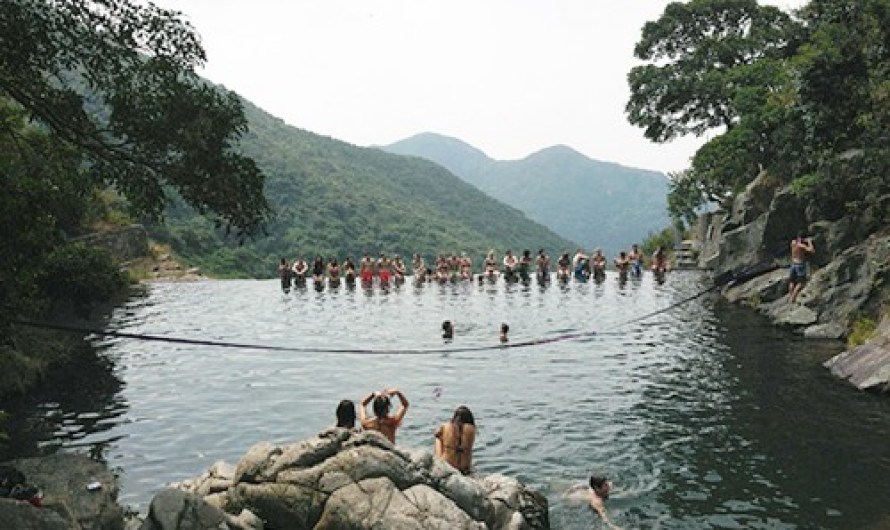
(285, 274)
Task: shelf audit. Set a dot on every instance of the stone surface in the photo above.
(63, 478)
(345, 480)
(849, 274)
(867, 367)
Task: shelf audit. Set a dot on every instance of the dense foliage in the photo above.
(805, 97)
(597, 204)
(98, 95)
(334, 200)
(116, 81)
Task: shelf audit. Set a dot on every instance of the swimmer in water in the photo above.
(447, 330)
(595, 493)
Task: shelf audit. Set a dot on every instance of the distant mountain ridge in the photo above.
(334, 199)
(598, 204)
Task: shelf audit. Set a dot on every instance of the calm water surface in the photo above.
(704, 416)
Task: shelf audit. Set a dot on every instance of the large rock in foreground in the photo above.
(343, 480)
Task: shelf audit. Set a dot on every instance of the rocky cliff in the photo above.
(849, 275)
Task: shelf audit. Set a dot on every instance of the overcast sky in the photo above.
(510, 77)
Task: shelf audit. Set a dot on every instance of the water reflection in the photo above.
(703, 415)
(79, 406)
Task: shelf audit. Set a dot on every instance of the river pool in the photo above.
(703, 416)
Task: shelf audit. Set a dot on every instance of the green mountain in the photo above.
(335, 199)
(598, 204)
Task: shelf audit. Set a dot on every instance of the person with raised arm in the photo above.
(801, 248)
(383, 422)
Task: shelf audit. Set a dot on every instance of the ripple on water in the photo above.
(702, 418)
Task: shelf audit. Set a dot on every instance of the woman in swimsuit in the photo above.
(334, 273)
(349, 271)
(383, 422)
(454, 440)
(318, 270)
(491, 265)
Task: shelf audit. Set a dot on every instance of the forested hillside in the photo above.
(598, 204)
(334, 199)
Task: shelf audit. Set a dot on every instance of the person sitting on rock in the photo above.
(454, 440)
(383, 422)
(346, 414)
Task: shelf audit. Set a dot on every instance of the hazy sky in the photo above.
(509, 77)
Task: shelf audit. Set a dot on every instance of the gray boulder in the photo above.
(867, 367)
(345, 480)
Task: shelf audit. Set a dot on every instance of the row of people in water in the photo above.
(454, 268)
(453, 440)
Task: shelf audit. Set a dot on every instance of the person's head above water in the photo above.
(600, 484)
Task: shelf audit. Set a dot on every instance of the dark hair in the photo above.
(346, 414)
(597, 480)
(463, 416)
(381, 406)
(505, 327)
(446, 325)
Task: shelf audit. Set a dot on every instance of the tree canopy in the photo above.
(116, 81)
(803, 96)
(100, 95)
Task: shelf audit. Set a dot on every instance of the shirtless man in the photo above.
(542, 263)
(636, 261)
(284, 274)
(509, 265)
(366, 269)
(349, 271)
(525, 265)
(398, 268)
(382, 421)
(801, 248)
(466, 267)
(595, 492)
(419, 268)
(598, 263)
(384, 269)
(562, 271)
(333, 273)
(600, 487)
(300, 269)
(622, 263)
(491, 265)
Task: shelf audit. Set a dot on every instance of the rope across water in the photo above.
(727, 279)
